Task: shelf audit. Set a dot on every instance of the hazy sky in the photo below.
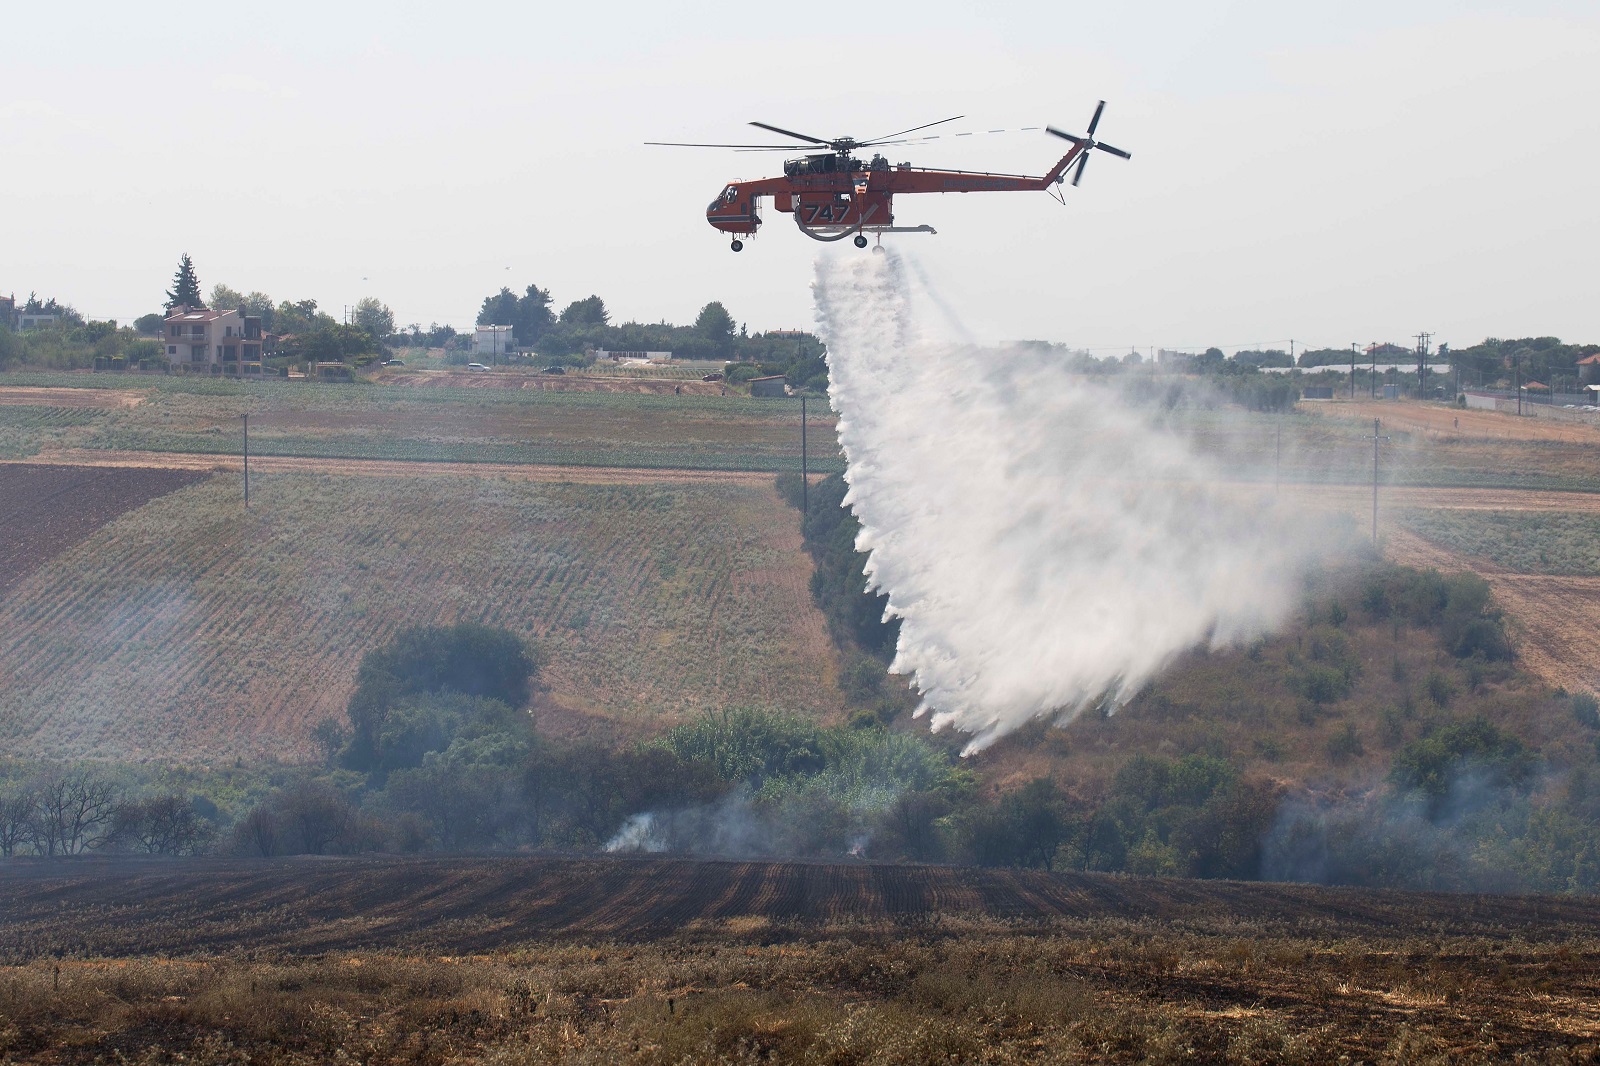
(1360, 172)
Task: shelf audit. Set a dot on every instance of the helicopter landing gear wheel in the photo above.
(861, 240)
(737, 245)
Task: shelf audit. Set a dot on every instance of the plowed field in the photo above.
(477, 904)
(194, 629)
(44, 510)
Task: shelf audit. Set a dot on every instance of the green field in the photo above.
(190, 629)
(1528, 542)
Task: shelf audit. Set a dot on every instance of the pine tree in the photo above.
(185, 286)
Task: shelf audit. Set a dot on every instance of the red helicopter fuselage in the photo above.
(835, 195)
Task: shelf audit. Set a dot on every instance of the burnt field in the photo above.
(46, 509)
(537, 959)
(125, 906)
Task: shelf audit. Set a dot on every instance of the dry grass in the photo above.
(981, 993)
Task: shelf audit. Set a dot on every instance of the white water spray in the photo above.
(1045, 542)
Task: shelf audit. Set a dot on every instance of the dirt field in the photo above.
(97, 399)
(1437, 422)
(405, 468)
(44, 510)
(192, 629)
(528, 960)
(1556, 618)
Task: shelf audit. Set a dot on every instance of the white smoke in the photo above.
(1046, 541)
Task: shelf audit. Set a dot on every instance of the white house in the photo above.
(493, 340)
(198, 337)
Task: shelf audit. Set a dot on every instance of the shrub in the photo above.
(1345, 745)
(1586, 709)
(1433, 764)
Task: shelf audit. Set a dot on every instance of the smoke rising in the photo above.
(1047, 540)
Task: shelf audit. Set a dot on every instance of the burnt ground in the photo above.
(543, 958)
(46, 508)
(115, 906)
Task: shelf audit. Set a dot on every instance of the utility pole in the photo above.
(805, 474)
(1373, 351)
(1353, 369)
(1422, 362)
(1376, 425)
(246, 459)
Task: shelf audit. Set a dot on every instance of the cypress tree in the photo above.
(185, 286)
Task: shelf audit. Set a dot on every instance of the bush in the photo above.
(1345, 745)
(468, 660)
(1586, 709)
(1433, 764)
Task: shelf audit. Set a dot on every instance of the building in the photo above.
(8, 312)
(220, 341)
(493, 341)
(768, 386)
(33, 320)
(1589, 369)
(633, 357)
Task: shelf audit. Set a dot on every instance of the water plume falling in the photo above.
(1046, 539)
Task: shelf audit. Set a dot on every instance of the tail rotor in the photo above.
(1088, 143)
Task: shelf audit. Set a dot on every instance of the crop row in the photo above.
(190, 626)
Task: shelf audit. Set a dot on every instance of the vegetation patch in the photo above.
(1528, 542)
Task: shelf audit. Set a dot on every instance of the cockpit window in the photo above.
(730, 193)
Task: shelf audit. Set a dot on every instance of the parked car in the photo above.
(394, 362)
(554, 370)
(712, 377)
(477, 366)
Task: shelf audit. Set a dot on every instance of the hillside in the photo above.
(191, 629)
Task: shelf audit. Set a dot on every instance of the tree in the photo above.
(589, 311)
(150, 324)
(163, 825)
(375, 317)
(185, 286)
(75, 812)
(17, 821)
(716, 326)
(224, 298)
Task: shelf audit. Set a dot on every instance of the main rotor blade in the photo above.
(1077, 175)
(1063, 136)
(791, 133)
(913, 129)
(1114, 151)
(745, 147)
(1094, 122)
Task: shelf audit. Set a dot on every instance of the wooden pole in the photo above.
(246, 459)
(805, 474)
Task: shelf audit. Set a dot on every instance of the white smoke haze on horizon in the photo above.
(1047, 543)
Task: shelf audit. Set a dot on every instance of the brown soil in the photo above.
(100, 399)
(582, 475)
(1454, 423)
(1557, 618)
(46, 509)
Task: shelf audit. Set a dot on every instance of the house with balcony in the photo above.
(216, 342)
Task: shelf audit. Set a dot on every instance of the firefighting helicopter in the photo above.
(834, 195)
